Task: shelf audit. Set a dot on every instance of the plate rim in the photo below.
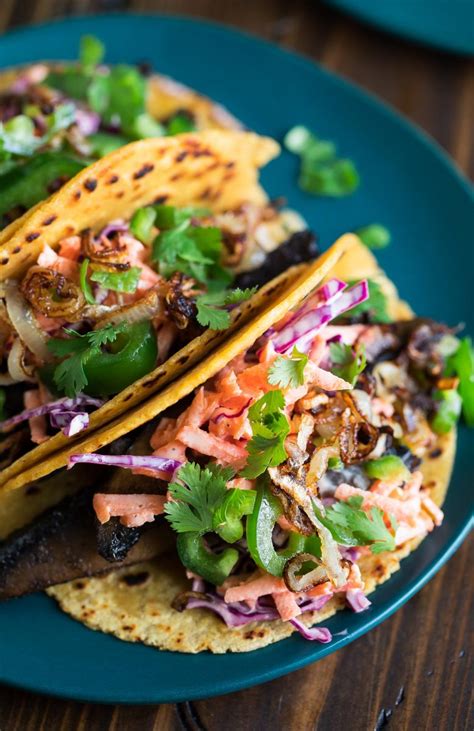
(401, 30)
(450, 168)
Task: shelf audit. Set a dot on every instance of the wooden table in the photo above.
(414, 671)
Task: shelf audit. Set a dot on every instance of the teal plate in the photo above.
(444, 24)
(408, 184)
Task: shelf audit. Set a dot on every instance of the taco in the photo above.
(56, 118)
(313, 453)
(128, 274)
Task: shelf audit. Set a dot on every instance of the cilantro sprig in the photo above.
(348, 362)
(270, 428)
(288, 371)
(69, 375)
(203, 503)
(193, 250)
(208, 306)
(350, 525)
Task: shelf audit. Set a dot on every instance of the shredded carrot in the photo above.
(211, 445)
(286, 605)
(133, 510)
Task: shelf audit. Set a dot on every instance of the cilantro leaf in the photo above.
(286, 371)
(376, 306)
(193, 250)
(197, 499)
(349, 362)
(69, 375)
(126, 281)
(105, 335)
(119, 96)
(350, 525)
(208, 312)
(270, 427)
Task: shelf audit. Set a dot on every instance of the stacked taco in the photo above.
(120, 281)
(211, 436)
(282, 478)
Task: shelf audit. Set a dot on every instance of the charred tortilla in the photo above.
(135, 604)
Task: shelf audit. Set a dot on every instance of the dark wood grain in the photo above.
(422, 656)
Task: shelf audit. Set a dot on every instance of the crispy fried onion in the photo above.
(295, 490)
(51, 293)
(23, 321)
(148, 307)
(17, 366)
(109, 251)
(357, 437)
(298, 581)
(180, 303)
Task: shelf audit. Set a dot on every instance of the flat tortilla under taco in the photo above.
(55, 118)
(122, 280)
(314, 434)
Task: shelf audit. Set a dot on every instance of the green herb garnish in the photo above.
(374, 236)
(321, 171)
(204, 504)
(349, 362)
(288, 371)
(69, 375)
(461, 363)
(350, 525)
(193, 250)
(91, 52)
(270, 428)
(208, 306)
(18, 135)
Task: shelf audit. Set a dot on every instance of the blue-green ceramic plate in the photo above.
(445, 24)
(408, 184)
